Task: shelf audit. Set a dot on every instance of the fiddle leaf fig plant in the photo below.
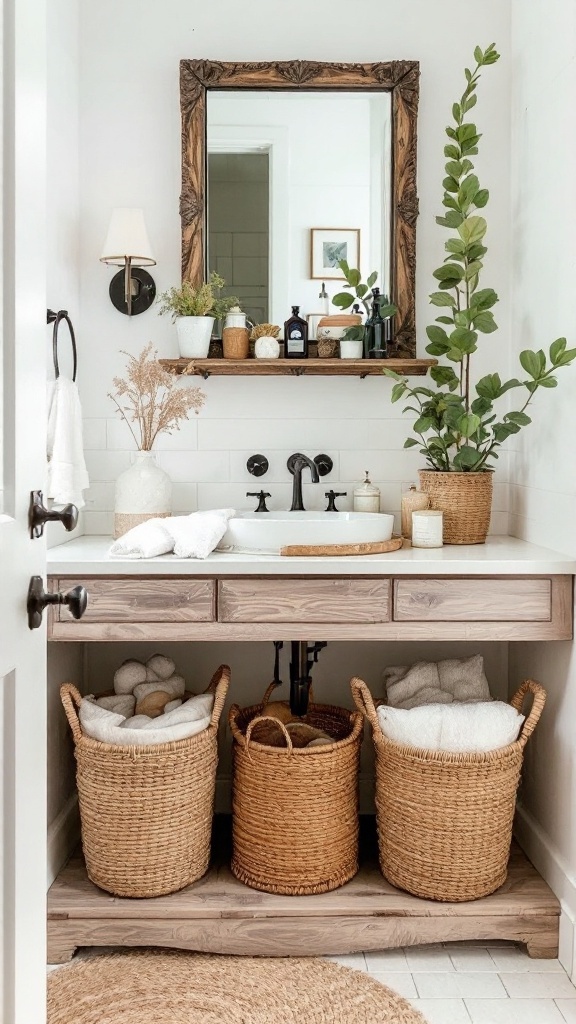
(360, 291)
(456, 426)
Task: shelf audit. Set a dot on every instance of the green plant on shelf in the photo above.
(361, 291)
(206, 300)
(456, 427)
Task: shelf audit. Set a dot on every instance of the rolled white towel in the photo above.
(136, 722)
(171, 705)
(147, 540)
(162, 666)
(175, 686)
(121, 703)
(151, 676)
(97, 722)
(128, 676)
(195, 536)
(454, 728)
(193, 710)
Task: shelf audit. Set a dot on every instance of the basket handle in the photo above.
(219, 687)
(269, 718)
(538, 701)
(70, 696)
(269, 691)
(365, 703)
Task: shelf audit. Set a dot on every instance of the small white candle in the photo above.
(427, 529)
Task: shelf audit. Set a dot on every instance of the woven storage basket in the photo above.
(295, 811)
(466, 501)
(146, 812)
(445, 820)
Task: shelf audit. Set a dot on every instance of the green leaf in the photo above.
(557, 348)
(450, 184)
(422, 424)
(343, 264)
(481, 198)
(548, 382)
(452, 152)
(449, 272)
(410, 442)
(455, 245)
(481, 406)
(469, 103)
(444, 320)
(468, 189)
(442, 299)
(484, 322)
(453, 219)
(489, 386)
(454, 168)
(466, 458)
(464, 340)
(518, 417)
(472, 270)
(485, 298)
(456, 112)
(444, 375)
(514, 383)
(478, 55)
(472, 229)
(398, 391)
(354, 277)
(393, 374)
(343, 300)
(437, 335)
(530, 362)
(371, 279)
(567, 357)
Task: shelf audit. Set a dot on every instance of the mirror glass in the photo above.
(297, 181)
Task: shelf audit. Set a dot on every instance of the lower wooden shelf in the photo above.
(218, 914)
(296, 367)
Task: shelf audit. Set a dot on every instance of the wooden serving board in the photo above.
(336, 550)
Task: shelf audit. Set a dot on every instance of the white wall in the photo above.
(130, 156)
(543, 482)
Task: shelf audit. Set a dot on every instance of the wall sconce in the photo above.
(132, 290)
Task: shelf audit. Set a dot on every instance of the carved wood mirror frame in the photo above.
(400, 78)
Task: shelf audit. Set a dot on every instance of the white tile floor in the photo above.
(468, 983)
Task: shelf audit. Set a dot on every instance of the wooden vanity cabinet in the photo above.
(159, 608)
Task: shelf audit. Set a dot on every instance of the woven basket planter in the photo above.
(466, 501)
(146, 812)
(295, 811)
(445, 820)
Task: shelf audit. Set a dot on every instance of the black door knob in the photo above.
(76, 600)
(39, 515)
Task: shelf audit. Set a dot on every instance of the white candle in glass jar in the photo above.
(427, 529)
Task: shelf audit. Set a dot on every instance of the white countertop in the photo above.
(500, 556)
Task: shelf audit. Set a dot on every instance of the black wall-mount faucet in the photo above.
(320, 466)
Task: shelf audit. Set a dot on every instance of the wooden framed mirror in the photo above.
(398, 82)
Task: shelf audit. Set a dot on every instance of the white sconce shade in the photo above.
(127, 239)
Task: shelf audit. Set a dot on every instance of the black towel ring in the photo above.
(55, 318)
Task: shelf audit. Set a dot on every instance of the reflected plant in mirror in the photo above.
(456, 427)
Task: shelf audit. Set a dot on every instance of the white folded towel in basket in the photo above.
(456, 728)
(193, 536)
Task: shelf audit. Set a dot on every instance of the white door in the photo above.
(22, 469)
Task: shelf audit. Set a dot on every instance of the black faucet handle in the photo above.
(332, 495)
(261, 495)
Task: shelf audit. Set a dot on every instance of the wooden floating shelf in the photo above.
(296, 367)
(219, 914)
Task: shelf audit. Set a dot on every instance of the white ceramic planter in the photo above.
(143, 491)
(194, 334)
(351, 349)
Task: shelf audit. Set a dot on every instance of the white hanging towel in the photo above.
(67, 474)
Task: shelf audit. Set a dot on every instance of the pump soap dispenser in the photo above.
(367, 496)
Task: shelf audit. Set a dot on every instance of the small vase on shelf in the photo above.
(143, 491)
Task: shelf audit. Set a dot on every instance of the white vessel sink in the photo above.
(269, 531)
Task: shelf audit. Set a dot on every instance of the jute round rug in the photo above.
(172, 987)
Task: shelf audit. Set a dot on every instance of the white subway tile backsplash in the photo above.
(385, 465)
(107, 465)
(292, 398)
(94, 434)
(309, 436)
(184, 498)
(194, 466)
(233, 495)
(100, 495)
(118, 436)
(98, 523)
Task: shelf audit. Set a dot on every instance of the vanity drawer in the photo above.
(473, 600)
(143, 600)
(297, 600)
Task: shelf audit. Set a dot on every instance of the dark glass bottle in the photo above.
(295, 336)
(378, 332)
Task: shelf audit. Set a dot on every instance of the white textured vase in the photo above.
(194, 334)
(144, 491)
